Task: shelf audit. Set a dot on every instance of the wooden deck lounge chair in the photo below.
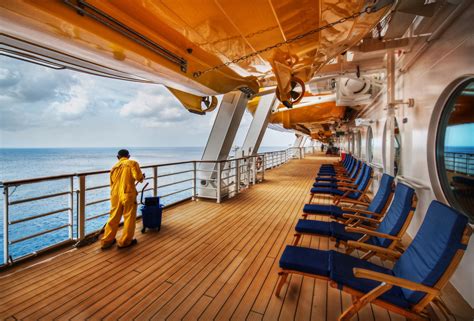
(378, 234)
(415, 280)
(333, 181)
(377, 207)
(362, 182)
(343, 171)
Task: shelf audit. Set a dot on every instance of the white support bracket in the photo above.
(259, 124)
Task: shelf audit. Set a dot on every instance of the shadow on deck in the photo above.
(209, 261)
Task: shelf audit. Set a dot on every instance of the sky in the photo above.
(43, 107)
(459, 135)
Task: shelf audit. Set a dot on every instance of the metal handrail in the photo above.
(228, 177)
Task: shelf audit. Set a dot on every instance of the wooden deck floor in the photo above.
(210, 261)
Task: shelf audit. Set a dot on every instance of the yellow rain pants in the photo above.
(123, 199)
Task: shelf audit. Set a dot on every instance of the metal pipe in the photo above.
(436, 34)
(176, 192)
(194, 181)
(38, 234)
(218, 191)
(176, 183)
(99, 201)
(155, 181)
(5, 225)
(25, 200)
(97, 216)
(81, 213)
(29, 218)
(176, 173)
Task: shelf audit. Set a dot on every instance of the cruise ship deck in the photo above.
(209, 261)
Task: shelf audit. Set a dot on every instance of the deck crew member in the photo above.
(123, 200)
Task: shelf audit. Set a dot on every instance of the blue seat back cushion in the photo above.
(351, 164)
(340, 271)
(364, 181)
(355, 169)
(382, 195)
(432, 249)
(396, 215)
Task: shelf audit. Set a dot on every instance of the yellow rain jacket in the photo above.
(123, 176)
(123, 201)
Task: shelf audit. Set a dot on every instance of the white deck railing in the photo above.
(76, 205)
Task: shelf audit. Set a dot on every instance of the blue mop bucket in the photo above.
(152, 212)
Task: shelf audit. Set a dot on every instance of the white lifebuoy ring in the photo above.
(258, 163)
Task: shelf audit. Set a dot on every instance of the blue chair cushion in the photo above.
(432, 249)
(305, 260)
(396, 215)
(325, 185)
(322, 209)
(327, 179)
(321, 190)
(341, 271)
(331, 229)
(381, 197)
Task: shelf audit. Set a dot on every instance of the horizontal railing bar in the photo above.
(29, 218)
(37, 198)
(89, 173)
(38, 234)
(98, 201)
(177, 173)
(97, 216)
(36, 180)
(177, 202)
(175, 183)
(186, 189)
(97, 187)
(42, 250)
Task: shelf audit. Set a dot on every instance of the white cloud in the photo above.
(155, 107)
(74, 106)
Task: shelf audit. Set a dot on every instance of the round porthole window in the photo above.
(455, 148)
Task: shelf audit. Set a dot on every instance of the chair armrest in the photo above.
(362, 218)
(344, 184)
(393, 280)
(362, 211)
(374, 248)
(352, 201)
(371, 233)
(347, 189)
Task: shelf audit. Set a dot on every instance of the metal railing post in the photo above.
(155, 181)
(218, 190)
(264, 166)
(71, 207)
(5, 225)
(194, 181)
(237, 176)
(254, 170)
(247, 160)
(81, 211)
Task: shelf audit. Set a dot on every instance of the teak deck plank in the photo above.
(209, 261)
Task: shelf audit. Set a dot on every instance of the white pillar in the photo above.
(259, 125)
(221, 138)
(298, 140)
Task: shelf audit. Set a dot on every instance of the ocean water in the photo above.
(29, 163)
